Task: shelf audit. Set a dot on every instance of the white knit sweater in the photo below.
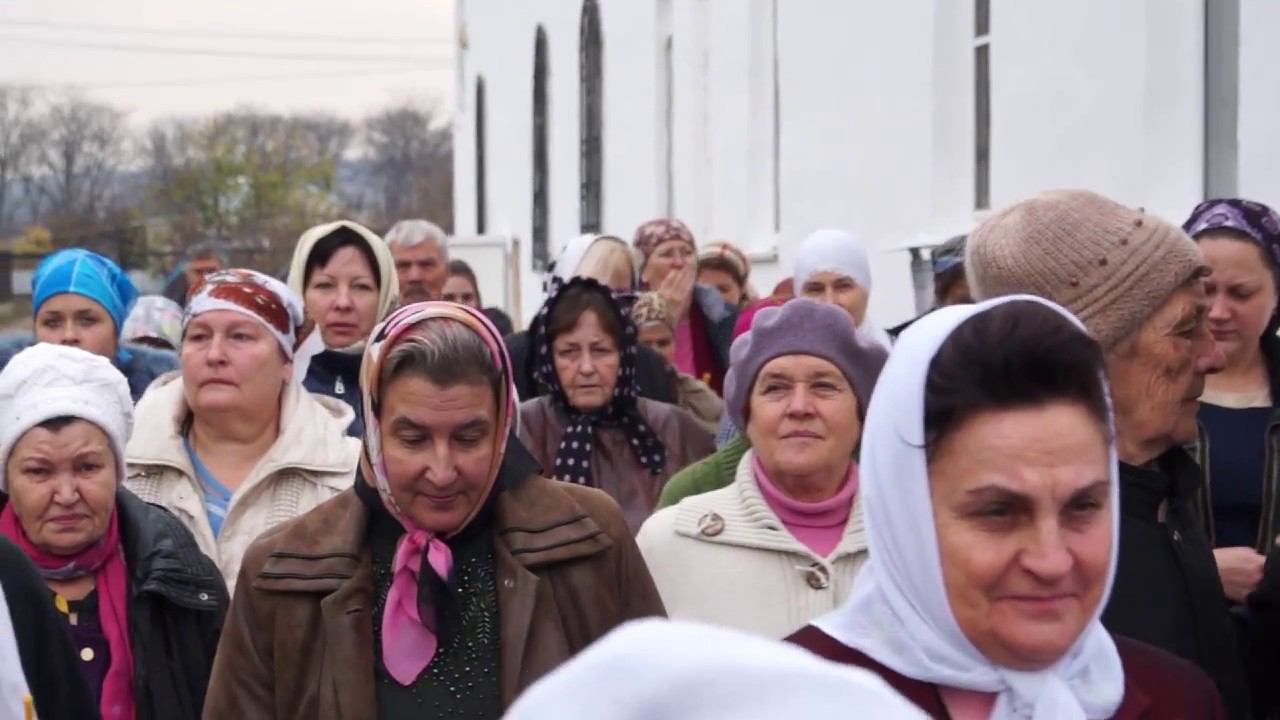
(725, 558)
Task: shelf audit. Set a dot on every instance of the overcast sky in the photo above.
(301, 55)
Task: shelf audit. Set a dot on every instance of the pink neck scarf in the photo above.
(409, 640)
(105, 561)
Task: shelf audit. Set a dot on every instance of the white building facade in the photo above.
(759, 121)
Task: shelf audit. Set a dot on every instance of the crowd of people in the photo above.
(356, 492)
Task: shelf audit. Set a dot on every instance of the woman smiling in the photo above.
(992, 424)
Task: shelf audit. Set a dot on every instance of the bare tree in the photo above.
(82, 146)
(411, 163)
(19, 135)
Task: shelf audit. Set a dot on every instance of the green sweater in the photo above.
(710, 473)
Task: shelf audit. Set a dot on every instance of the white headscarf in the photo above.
(705, 673)
(388, 279)
(839, 252)
(566, 265)
(898, 612)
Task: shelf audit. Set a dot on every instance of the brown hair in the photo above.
(1016, 355)
(578, 299)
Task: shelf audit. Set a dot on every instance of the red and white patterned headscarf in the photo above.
(254, 295)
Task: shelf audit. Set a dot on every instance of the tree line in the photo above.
(75, 171)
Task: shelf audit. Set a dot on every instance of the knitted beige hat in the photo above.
(1110, 265)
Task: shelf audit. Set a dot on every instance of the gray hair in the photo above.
(446, 353)
(411, 233)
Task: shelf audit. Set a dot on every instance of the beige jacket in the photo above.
(724, 558)
(311, 461)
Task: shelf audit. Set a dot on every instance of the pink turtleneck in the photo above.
(819, 525)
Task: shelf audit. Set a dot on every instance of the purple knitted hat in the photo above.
(802, 327)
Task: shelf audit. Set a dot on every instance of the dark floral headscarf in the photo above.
(1259, 222)
(1254, 219)
(573, 457)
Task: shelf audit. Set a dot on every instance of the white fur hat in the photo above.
(48, 381)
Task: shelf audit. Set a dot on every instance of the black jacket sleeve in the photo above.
(48, 659)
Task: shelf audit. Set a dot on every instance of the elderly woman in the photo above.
(704, 321)
(234, 445)
(656, 330)
(609, 261)
(1137, 282)
(592, 429)
(992, 504)
(451, 567)
(832, 266)
(347, 280)
(723, 266)
(143, 607)
(1239, 420)
(81, 299)
(782, 544)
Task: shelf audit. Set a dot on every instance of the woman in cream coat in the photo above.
(234, 445)
(784, 542)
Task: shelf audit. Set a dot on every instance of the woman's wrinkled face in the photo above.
(659, 338)
(62, 486)
(342, 298)
(669, 256)
(803, 419)
(230, 362)
(1022, 509)
(75, 320)
(724, 283)
(458, 289)
(1158, 374)
(586, 361)
(437, 447)
(1241, 291)
(839, 290)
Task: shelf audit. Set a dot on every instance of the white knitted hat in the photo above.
(48, 381)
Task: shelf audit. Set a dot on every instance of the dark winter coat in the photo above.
(177, 602)
(1167, 592)
(49, 661)
(337, 374)
(1269, 520)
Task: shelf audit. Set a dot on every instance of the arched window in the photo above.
(480, 175)
(591, 115)
(541, 253)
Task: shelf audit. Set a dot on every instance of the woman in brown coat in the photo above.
(451, 577)
(592, 429)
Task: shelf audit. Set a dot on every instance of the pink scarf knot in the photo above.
(408, 641)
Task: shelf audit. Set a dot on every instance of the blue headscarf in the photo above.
(83, 272)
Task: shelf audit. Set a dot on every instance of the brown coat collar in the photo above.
(536, 523)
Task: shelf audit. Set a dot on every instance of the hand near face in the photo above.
(1240, 569)
(677, 289)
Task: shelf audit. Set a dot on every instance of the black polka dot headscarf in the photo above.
(573, 457)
